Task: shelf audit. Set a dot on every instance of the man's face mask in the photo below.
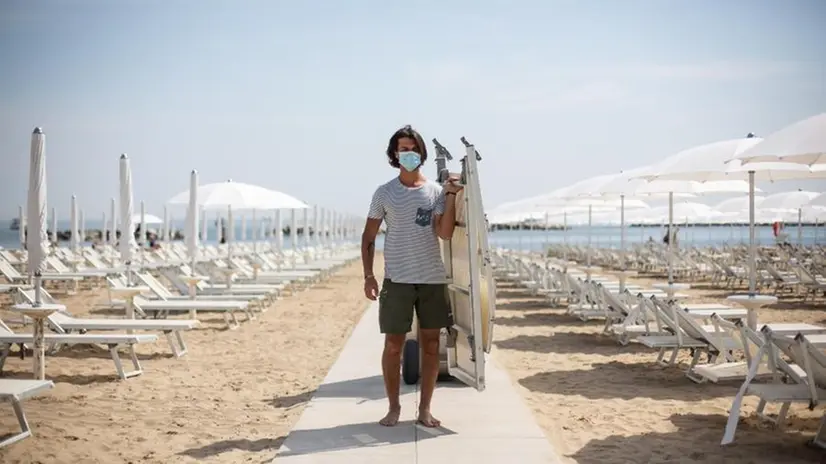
(409, 160)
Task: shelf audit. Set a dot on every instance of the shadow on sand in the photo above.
(572, 343)
(698, 441)
(626, 381)
(540, 319)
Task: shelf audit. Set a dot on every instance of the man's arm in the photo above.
(446, 222)
(368, 245)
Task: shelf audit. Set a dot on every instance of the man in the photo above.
(418, 212)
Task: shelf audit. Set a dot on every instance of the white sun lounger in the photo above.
(171, 328)
(9, 272)
(65, 323)
(162, 308)
(15, 391)
(806, 351)
(270, 292)
(163, 293)
(722, 369)
(111, 341)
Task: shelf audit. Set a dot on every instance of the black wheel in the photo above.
(410, 362)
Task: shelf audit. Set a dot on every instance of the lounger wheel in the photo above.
(410, 362)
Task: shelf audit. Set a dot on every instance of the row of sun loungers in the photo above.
(254, 278)
(780, 363)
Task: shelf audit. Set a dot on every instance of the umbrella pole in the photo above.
(565, 238)
(588, 256)
(622, 232)
(752, 247)
(39, 332)
(799, 227)
(670, 236)
(547, 233)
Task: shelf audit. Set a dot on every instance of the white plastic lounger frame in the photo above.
(15, 391)
(161, 309)
(64, 323)
(801, 389)
(112, 342)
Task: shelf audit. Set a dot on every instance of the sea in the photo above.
(537, 240)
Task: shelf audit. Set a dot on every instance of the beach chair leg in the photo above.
(231, 320)
(176, 342)
(780, 423)
(819, 440)
(4, 353)
(661, 355)
(113, 351)
(21, 419)
(695, 358)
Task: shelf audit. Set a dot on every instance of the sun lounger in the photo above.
(15, 391)
(171, 328)
(65, 323)
(111, 341)
(807, 352)
(722, 369)
(162, 308)
(10, 273)
(270, 292)
(163, 293)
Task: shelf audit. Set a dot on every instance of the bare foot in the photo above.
(427, 419)
(392, 417)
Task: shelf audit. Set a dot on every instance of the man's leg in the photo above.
(395, 320)
(429, 340)
(432, 309)
(390, 367)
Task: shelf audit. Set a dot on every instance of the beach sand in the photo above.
(600, 402)
(233, 398)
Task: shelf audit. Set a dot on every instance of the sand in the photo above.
(233, 398)
(600, 402)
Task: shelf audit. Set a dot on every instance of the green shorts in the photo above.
(397, 302)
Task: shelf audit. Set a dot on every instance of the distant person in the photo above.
(418, 211)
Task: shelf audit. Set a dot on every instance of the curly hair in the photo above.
(393, 144)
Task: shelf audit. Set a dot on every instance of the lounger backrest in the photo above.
(805, 276)
(153, 284)
(94, 258)
(668, 314)
(4, 329)
(814, 363)
(176, 281)
(786, 345)
(694, 330)
(9, 271)
(750, 340)
(56, 264)
(611, 300)
(5, 254)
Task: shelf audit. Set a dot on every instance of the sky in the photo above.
(301, 97)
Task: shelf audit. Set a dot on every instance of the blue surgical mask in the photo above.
(410, 160)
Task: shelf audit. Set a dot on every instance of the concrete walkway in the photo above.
(340, 423)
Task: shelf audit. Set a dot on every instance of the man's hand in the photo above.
(452, 185)
(371, 288)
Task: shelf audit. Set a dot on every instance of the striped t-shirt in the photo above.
(411, 247)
